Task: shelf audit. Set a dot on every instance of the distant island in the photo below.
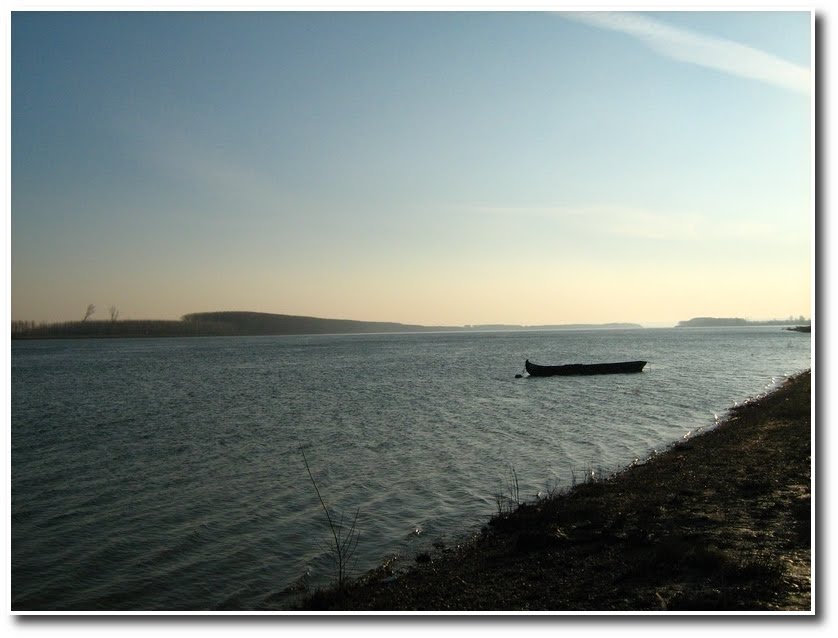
(800, 328)
(238, 323)
(705, 322)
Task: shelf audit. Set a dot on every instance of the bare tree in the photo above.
(90, 310)
(114, 313)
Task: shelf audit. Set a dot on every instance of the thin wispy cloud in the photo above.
(198, 162)
(702, 50)
(619, 221)
(638, 223)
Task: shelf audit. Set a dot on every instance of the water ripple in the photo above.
(166, 474)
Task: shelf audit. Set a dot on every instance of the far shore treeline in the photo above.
(236, 323)
(203, 324)
(710, 322)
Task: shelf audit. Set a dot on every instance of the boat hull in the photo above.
(574, 369)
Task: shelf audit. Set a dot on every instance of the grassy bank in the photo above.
(720, 522)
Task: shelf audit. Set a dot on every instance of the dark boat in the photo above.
(624, 367)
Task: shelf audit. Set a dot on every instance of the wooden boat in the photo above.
(624, 367)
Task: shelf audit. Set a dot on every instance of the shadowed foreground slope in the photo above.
(719, 522)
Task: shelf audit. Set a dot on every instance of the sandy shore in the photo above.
(720, 522)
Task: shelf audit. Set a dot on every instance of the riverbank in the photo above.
(720, 522)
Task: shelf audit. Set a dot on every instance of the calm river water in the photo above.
(166, 474)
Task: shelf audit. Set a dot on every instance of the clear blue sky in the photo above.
(435, 168)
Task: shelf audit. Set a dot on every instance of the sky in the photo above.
(440, 168)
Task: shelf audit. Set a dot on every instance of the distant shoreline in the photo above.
(249, 324)
(713, 322)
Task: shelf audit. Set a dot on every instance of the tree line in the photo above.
(204, 324)
(703, 322)
(123, 328)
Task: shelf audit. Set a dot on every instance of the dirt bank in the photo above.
(719, 522)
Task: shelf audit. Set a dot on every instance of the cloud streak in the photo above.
(638, 223)
(707, 51)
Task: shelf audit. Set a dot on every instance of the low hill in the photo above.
(211, 324)
(263, 323)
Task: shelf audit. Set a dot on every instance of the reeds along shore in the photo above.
(719, 522)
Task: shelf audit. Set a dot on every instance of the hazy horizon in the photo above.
(453, 168)
(645, 324)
